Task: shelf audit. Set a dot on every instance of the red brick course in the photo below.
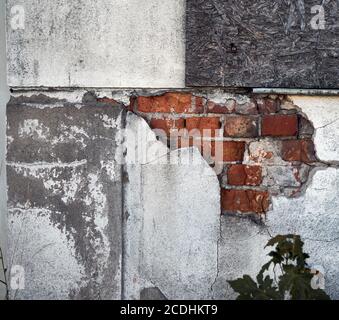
(280, 125)
(242, 175)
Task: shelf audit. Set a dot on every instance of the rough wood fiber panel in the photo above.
(262, 43)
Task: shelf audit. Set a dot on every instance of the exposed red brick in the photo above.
(199, 105)
(280, 125)
(299, 150)
(226, 108)
(241, 127)
(167, 124)
(241, 175)
(245, 201)
(201, 124)
(267, 105)
(167, 103)
(228, 151)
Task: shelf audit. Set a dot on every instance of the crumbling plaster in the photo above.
(158, 196)
(64, 199)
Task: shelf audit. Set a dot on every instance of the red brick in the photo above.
(280, 125)
(299, 150)
(226, 108)
(167, 124)
(229, 151)
(245, 201)
(241, 127)
(199, 105)
(167, 103)
(267, 106)
(201, 124)
(241, 175)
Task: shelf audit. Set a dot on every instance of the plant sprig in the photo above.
(294, 282)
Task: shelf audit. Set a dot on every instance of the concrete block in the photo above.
(89, 43)
(64, 199)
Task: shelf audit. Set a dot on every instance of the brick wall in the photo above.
(266, 143)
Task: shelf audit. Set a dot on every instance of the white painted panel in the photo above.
(91, 43)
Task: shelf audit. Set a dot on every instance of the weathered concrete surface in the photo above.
(314, 216)
(65, 203)
(173, 246)
(241, 251)
(323, 112)
(107, 43)
(4, 97)
(172, 217)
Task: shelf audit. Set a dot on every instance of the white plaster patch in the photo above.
(265, 152)
(315, 217)
(34, 129)
(110, 43)
(110, 122)
(52, 179)
(96, 196)
(173, 221)
(241, 251)
(141, 143)
(37, 245)
(110, 168)
(221, 97)
(45, 165)
(323, 112)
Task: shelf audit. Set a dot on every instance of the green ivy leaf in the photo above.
(295, 280)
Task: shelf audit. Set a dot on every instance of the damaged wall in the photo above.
(64, 198)
(85, 225)
(171, 210)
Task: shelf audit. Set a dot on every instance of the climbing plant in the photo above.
(294, 279)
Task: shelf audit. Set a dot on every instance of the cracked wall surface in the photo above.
(172, 213)
(176, 244)
(64, 198)
(169, 220)
(260, 146)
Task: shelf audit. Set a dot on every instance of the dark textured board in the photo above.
(261, 43)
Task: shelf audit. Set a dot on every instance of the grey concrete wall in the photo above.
(64, 199)
(4, 97)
